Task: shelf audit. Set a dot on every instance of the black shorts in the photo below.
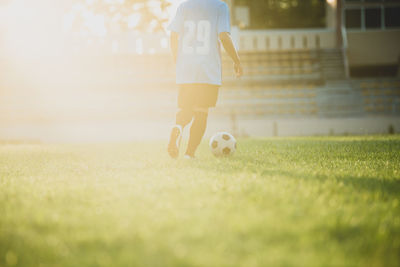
(197, 95)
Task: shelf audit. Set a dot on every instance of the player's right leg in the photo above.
(197, 131)
(184, 117)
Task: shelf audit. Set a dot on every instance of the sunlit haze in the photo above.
(63, 75)
(220, 133)
(91, 70)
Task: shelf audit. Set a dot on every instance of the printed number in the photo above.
(190, 28)
(203, 36)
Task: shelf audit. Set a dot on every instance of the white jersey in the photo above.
(199, 23)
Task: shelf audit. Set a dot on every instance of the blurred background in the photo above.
(100, 70)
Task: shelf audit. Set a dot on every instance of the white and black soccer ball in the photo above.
(223, 144)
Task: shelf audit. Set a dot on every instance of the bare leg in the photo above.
(183, 118)
(197, 130)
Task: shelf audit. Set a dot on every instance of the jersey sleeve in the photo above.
(176, 24)
(224, 22)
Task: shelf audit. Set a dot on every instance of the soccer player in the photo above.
(196, 32)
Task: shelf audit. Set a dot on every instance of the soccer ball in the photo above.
(223, 144)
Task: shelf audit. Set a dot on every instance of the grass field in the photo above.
(278, 202)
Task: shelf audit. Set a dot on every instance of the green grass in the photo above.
(277, 202)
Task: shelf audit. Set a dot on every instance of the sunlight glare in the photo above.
(96, 23)
(69, 56)
(133, 20)
(139, 46)
(331, 2)
(69, 19)
(164, 43)
(115, 47)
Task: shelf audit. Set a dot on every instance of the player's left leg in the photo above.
(183, 118)
(197, 130)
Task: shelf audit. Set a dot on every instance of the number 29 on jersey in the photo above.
(199, 33)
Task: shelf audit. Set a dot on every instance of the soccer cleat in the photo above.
(174, 141)
(189, 157)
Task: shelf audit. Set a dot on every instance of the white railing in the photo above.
(345, 45)
(246, 40)
(264, 40)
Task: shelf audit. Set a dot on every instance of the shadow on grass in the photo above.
(266, 169)
(363, 183)
(267, 158)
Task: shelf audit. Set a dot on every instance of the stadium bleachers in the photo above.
(302, 82)
(275, 83)
(380, 96)
(284, 100)
(286, 73)
(280, 65)
(305, 83)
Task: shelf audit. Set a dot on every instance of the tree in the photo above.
(279, 14)
(142, 15)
